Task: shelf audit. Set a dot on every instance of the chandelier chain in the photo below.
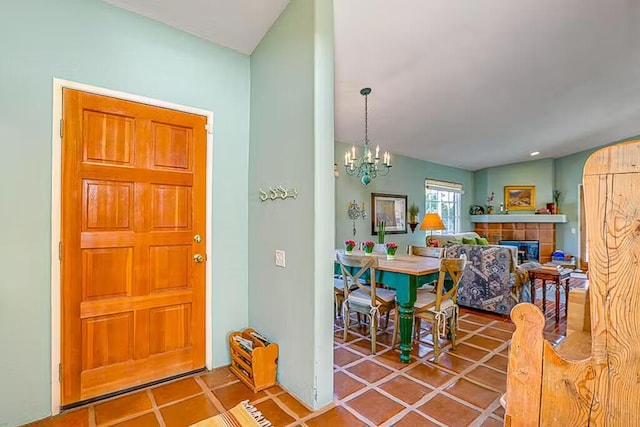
(366, 119)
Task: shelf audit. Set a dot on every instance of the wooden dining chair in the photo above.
(428, 252)
(425, 251)
(338, 292)
(437, 307)
(366, 299)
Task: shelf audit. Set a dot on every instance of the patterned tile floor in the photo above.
(463, 389)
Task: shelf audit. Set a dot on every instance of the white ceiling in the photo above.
(470, 84)
(237, 24)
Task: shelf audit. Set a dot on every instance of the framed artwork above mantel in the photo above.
(520, 197)
(390, 208)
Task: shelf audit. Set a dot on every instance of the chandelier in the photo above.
(369, 166)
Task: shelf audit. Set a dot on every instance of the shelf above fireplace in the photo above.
(520, 218)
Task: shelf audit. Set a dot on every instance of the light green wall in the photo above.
(563, 174)
(324, 194)
(569, 171)
(538, 172)
(92, 42)
(405, 178)
(291, 145)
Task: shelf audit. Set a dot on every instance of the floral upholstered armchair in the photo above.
(492, 280)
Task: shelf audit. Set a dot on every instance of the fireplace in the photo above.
(528, 250)
(521, 228)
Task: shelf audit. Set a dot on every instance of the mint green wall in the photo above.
(291, 145)
(569, 171)
(92, 42)
(324, 194)
(537, 172)
(563, 174)
(481, 185)
(406, 178)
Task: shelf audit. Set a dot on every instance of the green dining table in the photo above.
(405, 274)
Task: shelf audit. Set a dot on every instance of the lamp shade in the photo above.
(432, 221)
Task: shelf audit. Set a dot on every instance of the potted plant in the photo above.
(489, 203)
(413, 216)
(348, 246)
(368, 248)
(556, 200)
(391, 250)
(380, 232)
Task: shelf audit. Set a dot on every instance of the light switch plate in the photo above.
(280, 258)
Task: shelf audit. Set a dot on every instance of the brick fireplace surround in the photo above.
(543, 232)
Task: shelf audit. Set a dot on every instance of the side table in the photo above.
(556, 276)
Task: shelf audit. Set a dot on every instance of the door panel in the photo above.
(133, 197)
(106, 273)
(108, 138)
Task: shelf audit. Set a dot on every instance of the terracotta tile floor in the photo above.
(463, 389)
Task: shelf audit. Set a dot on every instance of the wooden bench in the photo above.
(566, 387)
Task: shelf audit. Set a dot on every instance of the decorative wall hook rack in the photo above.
(355, 212)
(278, 192)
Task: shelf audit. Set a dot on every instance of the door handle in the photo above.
(198, 258)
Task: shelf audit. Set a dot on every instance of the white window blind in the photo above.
(433, 184)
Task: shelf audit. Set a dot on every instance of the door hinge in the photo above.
(60, 251)
(59, 372)
(208, 128)
(61, 128)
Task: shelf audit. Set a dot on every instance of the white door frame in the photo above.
(56, 188)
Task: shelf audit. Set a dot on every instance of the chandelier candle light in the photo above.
(368, 166)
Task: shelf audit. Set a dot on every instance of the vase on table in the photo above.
(391, 250)
(368, 248)
(348, 246)
(381, 230)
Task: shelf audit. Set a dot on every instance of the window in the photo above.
(444, 198)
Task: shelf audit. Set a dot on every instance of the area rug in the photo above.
(241, 415)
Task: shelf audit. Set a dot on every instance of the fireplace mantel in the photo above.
(532, 218)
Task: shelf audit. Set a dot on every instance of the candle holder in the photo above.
(356, 212)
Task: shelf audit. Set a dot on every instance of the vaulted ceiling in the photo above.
(470, 84)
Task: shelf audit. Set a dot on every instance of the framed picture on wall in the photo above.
(390, 208)
(520, 197)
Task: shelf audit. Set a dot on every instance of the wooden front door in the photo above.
(133, 231)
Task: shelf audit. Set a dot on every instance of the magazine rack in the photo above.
(256, 366)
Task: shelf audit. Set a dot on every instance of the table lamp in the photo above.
(432, 221)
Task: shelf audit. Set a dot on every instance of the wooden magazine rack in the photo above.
(256, 368)
(545, 388)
